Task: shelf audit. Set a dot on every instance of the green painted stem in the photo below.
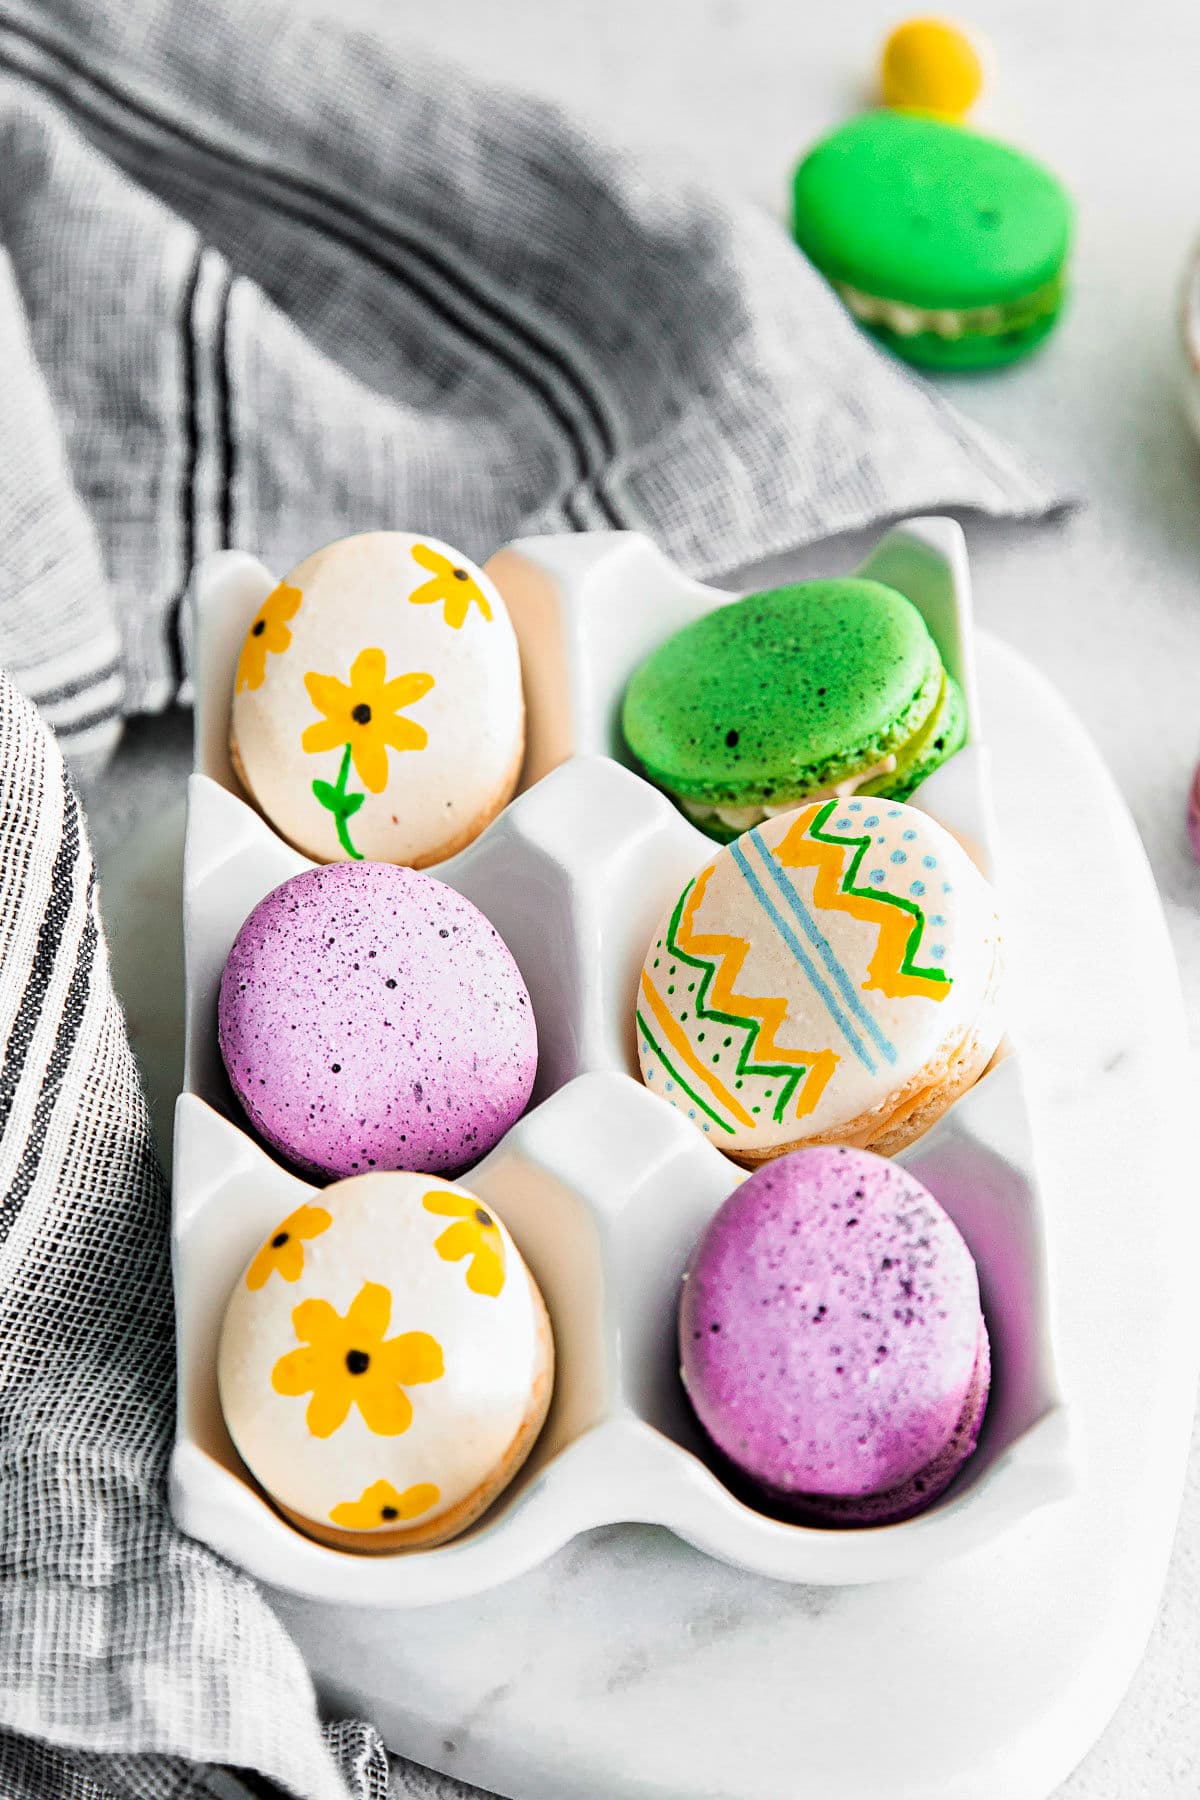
(335, 801)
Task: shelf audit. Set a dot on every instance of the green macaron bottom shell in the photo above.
(943, 734)
(790, 693)
(970, 338)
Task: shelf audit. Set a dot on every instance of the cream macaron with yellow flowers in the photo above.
(386, 1362)
(377, 709)
(831, 977)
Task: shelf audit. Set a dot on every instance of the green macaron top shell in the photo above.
(783, 693)
(913, 209)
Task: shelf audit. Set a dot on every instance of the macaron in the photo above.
(951, 248)
(832, 976)
(385, 1362)
(371, 1018)
(831, 1339)
(377, 708)
(818, 688)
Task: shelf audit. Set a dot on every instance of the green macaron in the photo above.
(950, 247)
(801, 690)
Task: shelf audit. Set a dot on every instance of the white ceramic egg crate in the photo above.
(604, 1186)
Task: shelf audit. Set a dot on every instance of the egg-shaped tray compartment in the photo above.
(604, 1186)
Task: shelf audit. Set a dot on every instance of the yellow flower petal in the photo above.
(414, 1357)
(314, 1320)
(386, 1410)
(449, 1205)
(369, 1311)
(381, 1504)
(486, 1273)
(326, 734)
(368, 671)
(370, 760)
(327, 1409)
(403, 690)
(293, 1373)
(403, 734)
(431, 560)
(328, 694)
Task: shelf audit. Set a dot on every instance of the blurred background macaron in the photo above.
(823, 687)
(950, 247)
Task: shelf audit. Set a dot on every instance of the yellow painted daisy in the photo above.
(269, 632)
(474, 1234)
(283, 1253)
(452, 585)
(364, 716)
(347, 1362)
(381, 1504)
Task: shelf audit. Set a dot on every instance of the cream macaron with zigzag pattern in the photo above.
(832, 976)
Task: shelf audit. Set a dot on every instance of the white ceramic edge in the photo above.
(640, 1473)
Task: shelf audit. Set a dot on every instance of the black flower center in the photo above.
(362, 713)
(484, 1218)
(357, 1361)
(388, 1512)
(461, 575)
(279, 1240)
(258, 627)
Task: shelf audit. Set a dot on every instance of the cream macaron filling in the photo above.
(906, 320)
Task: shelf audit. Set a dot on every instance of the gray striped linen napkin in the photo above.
(262, 282)
(267, 280)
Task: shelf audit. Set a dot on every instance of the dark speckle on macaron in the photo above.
(371, 1017)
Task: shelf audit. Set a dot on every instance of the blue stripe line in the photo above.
(803, 958)
(824, 949)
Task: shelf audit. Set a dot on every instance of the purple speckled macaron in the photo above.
(831, 1338)
(371, 1018)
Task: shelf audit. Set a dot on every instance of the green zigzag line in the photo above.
(790, 1074)
(908, 966)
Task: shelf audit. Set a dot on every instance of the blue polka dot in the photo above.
(856, 806)
(881, 839)
(929, 862)
(844, 824)
(909, 836)
(707, 1126)
(691, 1112)
(893, 812)
(899, 856)
(917, 888)
(876, 876)
(937, 951)
(872, 822)
(670, 1087)
(946, 888)
(937, 919)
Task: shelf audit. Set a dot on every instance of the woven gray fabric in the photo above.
(278, 281)
(133, 1650)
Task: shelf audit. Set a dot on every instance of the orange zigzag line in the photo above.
(726, 955)
(885, 969)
